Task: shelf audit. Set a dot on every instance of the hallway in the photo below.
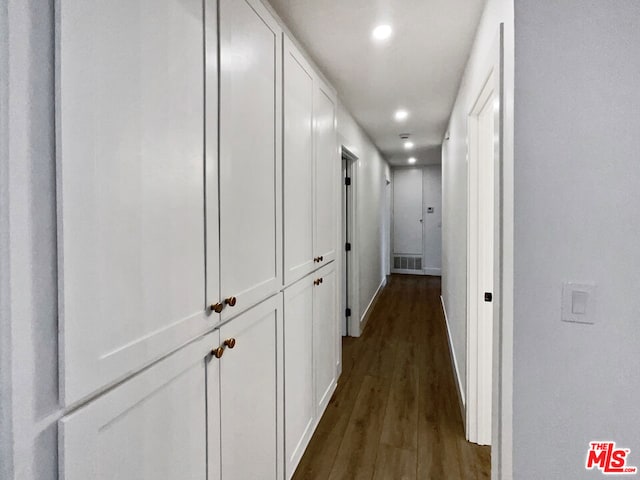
(395, 412)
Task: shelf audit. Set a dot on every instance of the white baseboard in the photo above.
(365, 316)
(454, 361)
(435, 272)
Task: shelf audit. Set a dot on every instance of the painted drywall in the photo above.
(373, 209)
(432, 198)
(28, 315)
(454, 177)
(454, 226)
(577, 179)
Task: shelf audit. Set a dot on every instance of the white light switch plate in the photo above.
(579, 303)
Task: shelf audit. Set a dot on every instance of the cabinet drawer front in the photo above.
(152, 426)
(250, 394)
(130, 95)
(250, 154)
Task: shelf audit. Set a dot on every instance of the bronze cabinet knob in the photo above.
(217, 352)
(231, 301)
(217, 307)
(230, 342)
(320, 280)
(321, 258)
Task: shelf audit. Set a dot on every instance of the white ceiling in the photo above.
(418, 68)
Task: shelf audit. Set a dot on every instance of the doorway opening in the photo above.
(350, 322)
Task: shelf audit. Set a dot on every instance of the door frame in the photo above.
(487, 374)
(349, 278)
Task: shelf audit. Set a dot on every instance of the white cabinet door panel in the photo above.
(130, 96)
(325, 330)
(250, 153)
(154, 426)
(251, 394)
(298, 165)
(326, 164)
(298, 371)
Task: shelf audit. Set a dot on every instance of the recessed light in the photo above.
(412, 160)
(401, 115)
(382, 32)
(408, 145)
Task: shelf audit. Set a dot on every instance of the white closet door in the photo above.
(325, 330)
(130, 97)
(298, 370)
(251, 394)
(327, 159)
(154, 426)
(298, 165)
(250, 154)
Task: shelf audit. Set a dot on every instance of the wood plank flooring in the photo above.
(395, 413)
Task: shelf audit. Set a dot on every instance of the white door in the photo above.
(251, 394)
(483, 155)
(250, 154)
(325, 331)
(407, 219)
(298, 370)
(327, 160)
(130, 97)
(153, 426)
(298, 165)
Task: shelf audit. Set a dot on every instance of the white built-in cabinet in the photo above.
(197, 194)
(309, 358)
(130, 114)
(153, 426)
(310, 150)
(250, 156)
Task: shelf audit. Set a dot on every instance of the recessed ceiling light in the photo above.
(408, 145)
(412, 160)
(382, 32)
(401, 115)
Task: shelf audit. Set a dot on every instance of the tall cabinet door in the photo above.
(298, 165)
(298, 371)
(327, 159)
(250, 154)
(325, 330)
(130, 97)
(251, 394)
(153, 426)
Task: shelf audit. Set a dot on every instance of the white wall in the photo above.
(577, 195)
(432, 197)
(414, 199)
(454, 176)
(373, 209)
(28, 295)
(454, 227)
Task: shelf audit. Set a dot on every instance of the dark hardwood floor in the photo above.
(395, 413)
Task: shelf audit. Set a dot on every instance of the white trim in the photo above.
(454, 361)
(432, 271)
(369, 309)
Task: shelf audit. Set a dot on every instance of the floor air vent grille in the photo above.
(407, 263)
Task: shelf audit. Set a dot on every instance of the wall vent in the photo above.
(401, 262)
